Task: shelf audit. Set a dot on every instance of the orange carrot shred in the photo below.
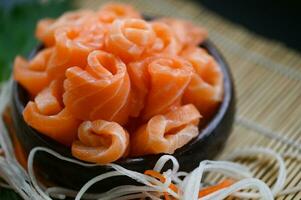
(155, 174)
(224, 184)
(20, 153)
(161, 178)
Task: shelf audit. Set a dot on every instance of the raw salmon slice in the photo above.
(110, 68)
(169, 78)
(43, 32)
(52, 120)
(73, 45)
(111, 11)
(166, 41)
(186, 33)
(32, 74)
(205, 90)
(140, 84)
(157, 84)
(128, 38)
(47, 101)
(46, 28)
(100, 91)
(100, 142)
(166, 133)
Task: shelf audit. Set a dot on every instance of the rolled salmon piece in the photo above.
(166, 41)
(166, 133)
(73, 45)
(112, 11)
(169, 77)
(186, 33)
(32, 74)
(205, 90)
(100, 142)
(129, 38)
(46, 28)
(140, 84)
(100, 91)
(47, 115)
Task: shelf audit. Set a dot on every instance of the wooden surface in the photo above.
(268, 84)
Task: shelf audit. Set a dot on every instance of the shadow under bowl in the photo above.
(206, 145)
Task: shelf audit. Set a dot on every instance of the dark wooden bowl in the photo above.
(210, 141)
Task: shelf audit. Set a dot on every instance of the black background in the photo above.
(276, 19)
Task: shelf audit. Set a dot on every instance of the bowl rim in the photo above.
(203, 133)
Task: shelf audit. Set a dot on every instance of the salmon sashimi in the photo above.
(166, 41)
(205, 90)
(186, 33)
(111, 11)
(157, 72)
(47, 115)
(169, 78)
(73, 45)
(112, 84)
(100, 142)
(43, 32)
(166, 133)
(101, 91)
(46, 28)
(140, 84)
(48, 100)
(129, 38)
(32, 74)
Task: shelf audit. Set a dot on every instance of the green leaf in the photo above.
(6, 194)
(18, 25)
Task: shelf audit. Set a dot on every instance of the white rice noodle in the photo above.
(248, 183)
(10, 169)
(62, 193)
(291, 190)
(163, 160)
(5, 185)
(192, 182)
(177, 177)
(268, 154)
(126, 190)
(144, 179)
(147, 180)
(51, 152)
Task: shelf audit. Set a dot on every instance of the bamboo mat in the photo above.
(268, 83)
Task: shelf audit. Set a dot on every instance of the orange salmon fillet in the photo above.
(46, 28)
(166, 133)
(129, 38)
(166, 40)
(100, 142)
(32, 74)
(186, 33)
(110, 84)
(50, 118)
(112, 11)
(72, 48)
(168, 79)
(205, 90)
(100, 91)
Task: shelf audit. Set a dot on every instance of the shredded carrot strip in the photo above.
(20, 153)
(161, 178)
(224, 184)
(21, 156)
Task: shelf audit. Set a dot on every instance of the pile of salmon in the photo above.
(109, 84)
